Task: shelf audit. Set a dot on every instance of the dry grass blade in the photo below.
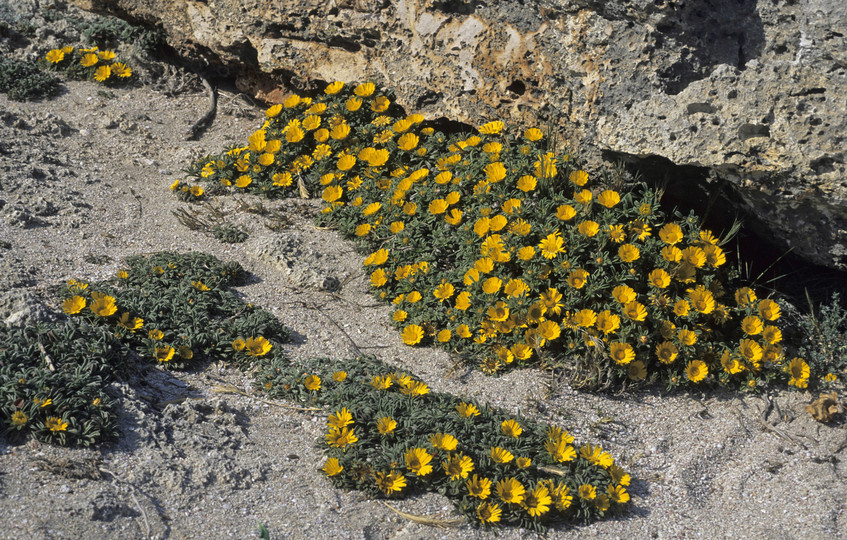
(428, 521)
(190, 220)
(553, 470)
(230, 389)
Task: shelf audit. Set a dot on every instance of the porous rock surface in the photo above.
(746, 94)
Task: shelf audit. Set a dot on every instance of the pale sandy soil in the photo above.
(85, 177)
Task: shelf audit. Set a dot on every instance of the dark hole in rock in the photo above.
(517, 87)
(693, 108)
(749, 131)
(345, 43)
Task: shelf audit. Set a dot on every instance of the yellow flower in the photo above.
(533, 134)
(467, 410)
(752, 325)
(458, 466)
(500, 455)
(257, 346)
(537, 501)
(415, 388)
(390, 482)
(545, 166)
(488, 512)
(333, 88)
(353, 104)
(635, 311)
(443, 291)
(164, 354)
(478, 487)
(696, 371)
(364, 89)
(20, 419)
(582, 197)
(667, 352)
(54, 423)
(340, 438)
(527, 183)
(769, 310)
(130, 323)
(363, 230)
(714, 255)
(799, 372)
(511, 428)
(628, 253)
(671, 233)
(291, 101)
(588, 229)
(585, 318)
(578, 278)
(745, 296)
(243, 181)
(526, 253)
(386, 425)
(443, 336)
(88, 59)
(185, 353)
(103, 305)
(102, 73)
(609, 198)
(237, 344)
(587, 492)
(687, 337)
(294, 134)
(443, 441)
(578, 178)
(55, 56)
(73, 305)
(751, 350)
(273, 111)
(552, 245)
(618, 494)
(412, 334)
(565, 212)
(332, 467)
(491, 285)
(659, 278)
(196, 191)
(454, 217)
(510, 491)
(772, 334)
(492, 128)
(671, 253)
(616, 233)
(621, 353)
(701, 299)
(637, 371)
(417, 461)
(407, 141)
(339, 419)
(607, 322)
(640, 229)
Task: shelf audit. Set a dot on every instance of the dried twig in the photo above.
(424, 520)
(230, 389)
(138, 506)
(46, 356)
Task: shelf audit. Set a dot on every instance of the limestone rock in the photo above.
(751, 93)
(303, 265)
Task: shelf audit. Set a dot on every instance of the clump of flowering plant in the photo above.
(91, 63)
(388, 435)
(494, 246)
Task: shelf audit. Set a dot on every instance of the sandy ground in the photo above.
(84, 182)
